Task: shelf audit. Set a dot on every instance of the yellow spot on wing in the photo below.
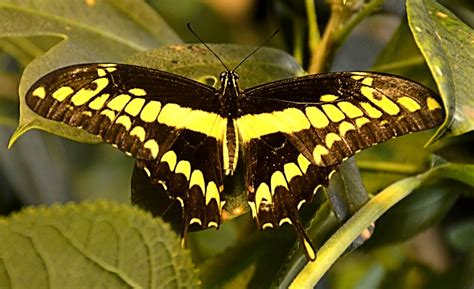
(212, 224)
(349, 109)
(410, 104)
(331, 138)
(334, 113)
(99, 101)
(284, 220)
(432, 103)
(267, 225)
(125, 121)
(118, 103)
(318, 153)
(253, 126)
(362, 121)
(133, 107)
(150, 111)
(291, 170)
(137, 91)
(212, 193)
(39, 92)
(84, 94)
(253, 209)
(368, 81)
(357, 77)
(204, 122)
(344, 127)
(370, 110)
(195, 221)
(381, 101)
(108, 64)
(263, 193)
(276, 180)
(328, 97)
(139, 132)
(109, 114)
(101, 72)
(317, 118)
(170, 158)
(61, 93)
(303, 163)
(309, 250)
(197, 178)
(183, 167)
(152, 145)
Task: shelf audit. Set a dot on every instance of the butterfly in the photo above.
(290, 135)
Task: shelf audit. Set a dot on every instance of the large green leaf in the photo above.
(448, 47)
(91, 245)
(93, 31)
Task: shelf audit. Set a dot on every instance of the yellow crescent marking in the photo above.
(432, 104)
(125, 121)
(183, 167)
(170, 158)
(381, 101)
(349, 109)
(147, 171)
(84, 94)
(318, 153)
(317, 118)
(331, 138)
(334, 113)
(39, 92)
(150, 111)
(328, 97)
(263, 193)
(62, 93)
(370, 110)
(300, 204)
(303, 163)
(284, 220)
(410, 104)
(133, 107)
(344, 127)
(253, 209)
(137, 91)
(139, 132)
(267, 225)
(212, 224)
(118, 103)
(331, 174)
(180, 200)
(195, 221)
(99, 101)
(316, 189)
(212, 194)
(291, 170)
(368, 81)
(152, 145)
(197, 178)
(362, 121)
(253, 126)
(109, 114)
(277, 179)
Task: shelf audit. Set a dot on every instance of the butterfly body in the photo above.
(290, 135)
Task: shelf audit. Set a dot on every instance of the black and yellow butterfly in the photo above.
(290, 134)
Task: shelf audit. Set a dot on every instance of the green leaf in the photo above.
(379, 204)
(461, 236)
(91, 32)
(91, 245)
(448, 47)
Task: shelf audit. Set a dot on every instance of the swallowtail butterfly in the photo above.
(290, 134)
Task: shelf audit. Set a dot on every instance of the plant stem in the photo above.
(313, 29)
(388, 167)
(341, 34)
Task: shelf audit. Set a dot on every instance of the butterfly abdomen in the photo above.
(231, 148)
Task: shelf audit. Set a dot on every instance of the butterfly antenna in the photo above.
(199, 38)
(256, 49)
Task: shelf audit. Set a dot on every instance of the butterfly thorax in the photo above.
(229, 101)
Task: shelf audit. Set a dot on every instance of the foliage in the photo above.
(110, 242)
